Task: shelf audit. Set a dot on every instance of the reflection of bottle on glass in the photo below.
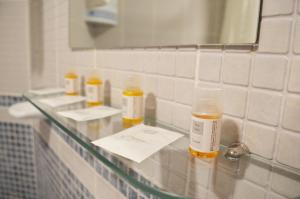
(71, 83)
(132, 103)
(93, 91)
(93, 129)
(205, 132)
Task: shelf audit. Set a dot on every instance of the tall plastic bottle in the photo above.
(205, 132)
(93, 90)
(132, 102)
(71, 83)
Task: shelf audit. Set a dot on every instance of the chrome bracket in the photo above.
(235, 151)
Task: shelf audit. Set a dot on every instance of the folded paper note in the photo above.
(61, 100)
(47, 91)
(139, 142)
(93, 113)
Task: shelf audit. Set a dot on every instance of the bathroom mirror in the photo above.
(155, 23)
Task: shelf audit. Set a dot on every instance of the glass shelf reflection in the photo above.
(171, 172)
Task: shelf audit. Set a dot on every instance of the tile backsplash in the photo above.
(261, 103)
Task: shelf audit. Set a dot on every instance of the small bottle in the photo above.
(205, 132)
(71, 83)
(93, 91)
(132, 103)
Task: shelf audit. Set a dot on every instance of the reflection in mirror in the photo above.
(148, 23)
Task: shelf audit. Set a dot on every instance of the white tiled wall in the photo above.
(275, 29)
(236, 68)
(269, 71)
(14, 45)
(262, 87)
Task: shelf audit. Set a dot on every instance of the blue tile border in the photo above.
(8, 100)
(55, 177)
(122, 186)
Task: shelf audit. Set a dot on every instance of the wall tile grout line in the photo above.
(290, 55)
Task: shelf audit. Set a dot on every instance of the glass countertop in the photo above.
(171, 172)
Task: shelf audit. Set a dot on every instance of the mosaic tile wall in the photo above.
(29, 169)
(55, 180)
(17, 167)
(119, 184)
(7, 100)
(22, 177)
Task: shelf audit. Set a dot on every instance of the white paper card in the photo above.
(46, 91)
(61, 100)
(139, 142)
(93, 113)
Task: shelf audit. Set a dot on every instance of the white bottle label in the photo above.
(132, 107)
(70, 85)
(93, 93)
(205, 134)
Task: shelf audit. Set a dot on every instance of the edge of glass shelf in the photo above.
(143, 187)
(151, 190)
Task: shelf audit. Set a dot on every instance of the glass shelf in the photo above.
(169, 173)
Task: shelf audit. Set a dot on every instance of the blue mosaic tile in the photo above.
(105, 173)
(113, 180)
(146, 182)
(98, 167)
(132, 194)
(122, 187)
(102, 170)
(62, 182)
(17, 165)
(8, 100)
